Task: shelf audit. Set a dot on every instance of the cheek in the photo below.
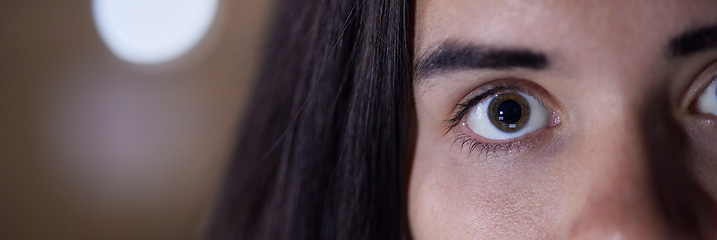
(456, 196)
(704, 155)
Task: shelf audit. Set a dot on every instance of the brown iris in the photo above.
(509, 112)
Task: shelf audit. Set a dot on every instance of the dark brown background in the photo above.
(92, 147)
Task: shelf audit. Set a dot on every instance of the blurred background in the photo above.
(117, 117)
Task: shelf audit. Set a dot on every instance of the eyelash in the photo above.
(466, 106)
(474, 144)
(487, 149)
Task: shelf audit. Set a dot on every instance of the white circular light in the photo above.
(152, 31)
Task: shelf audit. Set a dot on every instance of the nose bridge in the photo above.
(639, 183)
(686, 207)
(619, 199)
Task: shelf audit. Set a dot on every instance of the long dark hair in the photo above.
(323, 147)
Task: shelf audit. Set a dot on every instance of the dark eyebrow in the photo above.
(451, 56)
(694, 41)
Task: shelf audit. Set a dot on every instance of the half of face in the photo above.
(565, 120)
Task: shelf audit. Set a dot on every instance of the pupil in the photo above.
(509, 112)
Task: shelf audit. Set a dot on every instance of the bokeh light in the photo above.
(152, 31)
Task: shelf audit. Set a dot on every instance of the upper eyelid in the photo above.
(697, 86)
(704, 85)
(487, 90)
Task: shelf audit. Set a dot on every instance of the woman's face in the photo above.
(565, 119)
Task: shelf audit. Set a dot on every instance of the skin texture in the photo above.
(629, 159)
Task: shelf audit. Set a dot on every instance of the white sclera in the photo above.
(152, 31)
(479, 121)
(707, 102)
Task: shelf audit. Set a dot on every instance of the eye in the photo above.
(507, 116)
(707, 100)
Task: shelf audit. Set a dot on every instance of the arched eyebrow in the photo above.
(694, 41)
(452, 56)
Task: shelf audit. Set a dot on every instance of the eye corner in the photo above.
(703, 99)
(705, 82)
(554, 119)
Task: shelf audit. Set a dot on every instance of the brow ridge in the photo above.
(452, 56)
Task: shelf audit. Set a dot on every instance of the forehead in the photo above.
(556, 24)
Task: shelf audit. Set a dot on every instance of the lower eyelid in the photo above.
(467, 140)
